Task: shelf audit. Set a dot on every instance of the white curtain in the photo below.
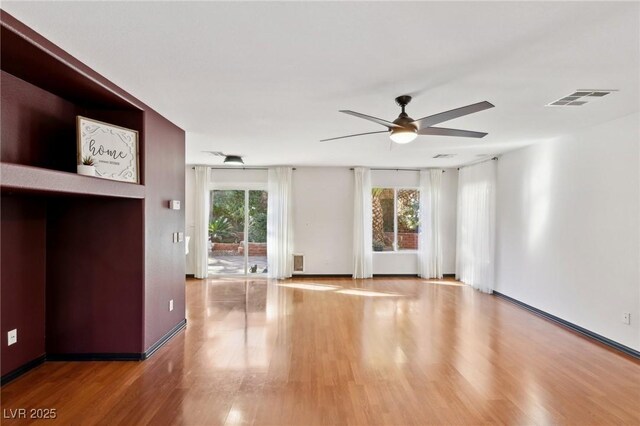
(430, 262)
(476, 226)
(362, 225)
(202, 207)
(280, 223)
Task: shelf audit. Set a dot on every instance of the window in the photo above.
(395, 219)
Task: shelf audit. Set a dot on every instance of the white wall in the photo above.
(568, 213)
(323, 219)
(323, 216)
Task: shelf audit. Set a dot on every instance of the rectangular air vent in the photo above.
(444, 156)
(581, 97)
(298, 263)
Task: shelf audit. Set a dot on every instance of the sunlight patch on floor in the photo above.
(367, 293)
(314, 287)
(444, 282)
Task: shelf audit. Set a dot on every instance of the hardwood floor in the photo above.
(306, 352)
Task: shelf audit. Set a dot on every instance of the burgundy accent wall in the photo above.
(164, 260)
(23, 230)
(22, 56)
(49, 144)
(98, 272)
(94, 275)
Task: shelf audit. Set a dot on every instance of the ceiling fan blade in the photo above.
(385, 123)
(441, 131)
(450, 115)
(357, 134)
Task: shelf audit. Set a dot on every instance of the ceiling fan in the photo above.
(405, 129)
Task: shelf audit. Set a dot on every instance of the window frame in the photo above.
(397, 188)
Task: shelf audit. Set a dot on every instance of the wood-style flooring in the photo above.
(382, 351)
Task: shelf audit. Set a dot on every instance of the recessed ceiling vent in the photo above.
(444, 156)
(581, 97)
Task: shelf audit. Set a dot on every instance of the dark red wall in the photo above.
(23, 230)
(165, 260)
(94, 275)
(100, 270)
(39, 128)
(51, 143)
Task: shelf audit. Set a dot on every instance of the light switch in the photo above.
(175, 237)
(12, 337)
(174, 204)
(180, 237)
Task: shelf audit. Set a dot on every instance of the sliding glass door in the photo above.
(238, 232)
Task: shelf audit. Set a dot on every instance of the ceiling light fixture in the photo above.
(234, 160)
(403, 135)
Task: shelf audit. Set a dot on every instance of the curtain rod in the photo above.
(399, 170)
(239, 168)
(478, 162)
(266, 168)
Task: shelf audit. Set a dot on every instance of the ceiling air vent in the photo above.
(444, 156)
(581, 97)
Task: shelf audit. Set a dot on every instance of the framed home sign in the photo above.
(114, 149)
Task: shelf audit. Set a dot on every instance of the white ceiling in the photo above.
(266, 80)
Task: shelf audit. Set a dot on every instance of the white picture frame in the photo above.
(114, 149)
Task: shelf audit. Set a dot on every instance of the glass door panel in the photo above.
(257, 233)
(226, 233)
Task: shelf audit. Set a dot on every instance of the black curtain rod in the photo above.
(478, 162)
(399, 170)
(266, 168)
(239, 168)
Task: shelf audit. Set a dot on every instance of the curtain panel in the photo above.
(362, 224)
(280, 223)
(202, 206)
(430, 261)
(475, 242)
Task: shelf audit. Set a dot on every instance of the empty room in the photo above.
(320, 213)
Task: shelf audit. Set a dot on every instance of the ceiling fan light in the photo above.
(233, 160)
(403, 135)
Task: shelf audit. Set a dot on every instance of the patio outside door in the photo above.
(238, 232)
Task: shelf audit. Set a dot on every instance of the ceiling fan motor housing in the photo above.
(406, 130)
(405, 121)
(403, 100)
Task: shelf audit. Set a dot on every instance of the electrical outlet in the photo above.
(626, 318)
(170, 305)
(12, 337)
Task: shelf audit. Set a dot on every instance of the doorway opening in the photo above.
(238, 232)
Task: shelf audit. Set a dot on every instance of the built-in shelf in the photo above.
(17, 178)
